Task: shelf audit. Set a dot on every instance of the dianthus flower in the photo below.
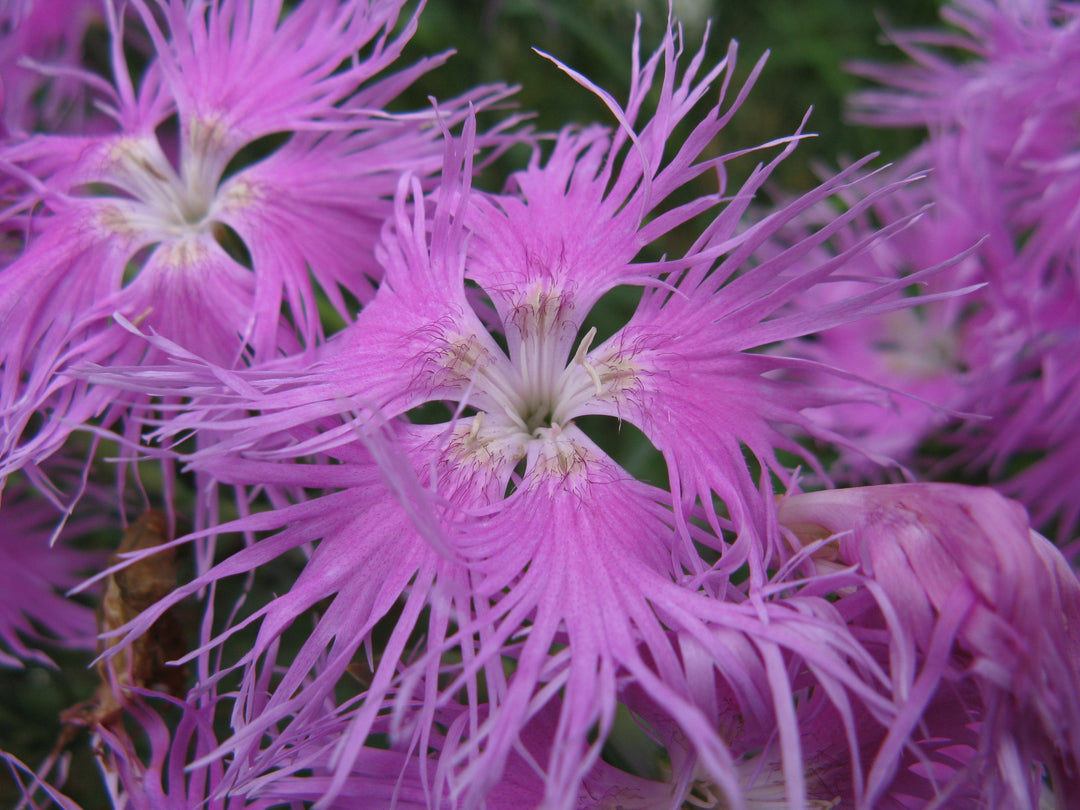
(929, 357)
(505, 540)
(961, 361)
(144, 759)
(841, 752)
(1008, 122)
(176, 218)
(408, 777)
(164, 780)
(1006, 103)
(1003, 128)
(974, 600)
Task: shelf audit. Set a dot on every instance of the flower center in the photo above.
(764, 794)
(169, 205)
(915, 348)
(157, 202)
(528, 396)
(548, 390)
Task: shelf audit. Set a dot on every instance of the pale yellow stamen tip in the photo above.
(584, 346)
(579, 358)
(138, 319)
(476, 427)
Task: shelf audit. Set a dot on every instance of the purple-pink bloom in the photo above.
(932, 358)
(505, 539)
(157, 222)
(166, 779)
(412, 777)
(1003, 128)
(970, 590)
(1003, 98)
(146, 761)
(838, 748)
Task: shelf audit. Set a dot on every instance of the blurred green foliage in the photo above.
(809, 44)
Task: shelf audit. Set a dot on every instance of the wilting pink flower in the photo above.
(158, 222)
(981, 600)
(505, 537)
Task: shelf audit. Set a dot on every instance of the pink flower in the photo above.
(967, 588)
(164, 780)
(146, 762)
(505, 538)
(1002, 96)
(838, 748)
(931, 356)
(158, 222)
(1003, 131)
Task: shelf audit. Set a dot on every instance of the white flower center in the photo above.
(528, 398)
(544, 391)
(168, 204)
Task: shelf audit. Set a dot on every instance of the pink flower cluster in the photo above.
(417, 576)
(1001, 145)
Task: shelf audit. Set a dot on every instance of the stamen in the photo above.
(579, 358)
(138, 319)
(476, 427)
(584, 346)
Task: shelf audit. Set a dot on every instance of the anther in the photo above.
(138, 319)
(476, 427)
(579, 358)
